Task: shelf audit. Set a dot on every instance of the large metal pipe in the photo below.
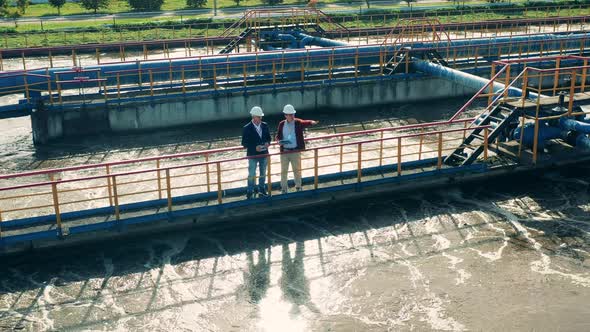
(571, 124)
(462, 78)
(318, 41)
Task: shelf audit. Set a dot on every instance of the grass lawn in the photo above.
(72, 32)
(120, 6)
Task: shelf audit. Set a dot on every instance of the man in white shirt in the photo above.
(290, 137)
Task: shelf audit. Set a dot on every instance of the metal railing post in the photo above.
(399, 156)
(208, 172)
(219, 192)
(268, 172)
(151, 83)
(381, 150)
(535, 138)
(570, 105)
(315, 168)
(485, 144)
(359, 171)
(56, 205)
(159, 175)
(168, 189)
(116, 197)
(109, 185)
(183, 81)
(440, 141)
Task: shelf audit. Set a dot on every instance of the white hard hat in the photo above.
(289, 109)
(256, 111)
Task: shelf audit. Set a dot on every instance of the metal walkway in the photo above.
(64, 204)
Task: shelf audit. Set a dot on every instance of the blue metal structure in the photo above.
(314, 58)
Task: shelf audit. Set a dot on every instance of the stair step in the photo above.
(497, 119)
(459, 156)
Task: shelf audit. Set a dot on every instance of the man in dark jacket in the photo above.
(256, 139)
(290, 137)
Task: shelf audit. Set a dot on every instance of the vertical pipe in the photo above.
(556, 76)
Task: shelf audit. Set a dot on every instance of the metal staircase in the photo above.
(393, 65)
(232, 45)
(500, 117)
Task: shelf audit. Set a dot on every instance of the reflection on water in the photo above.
(257, 278)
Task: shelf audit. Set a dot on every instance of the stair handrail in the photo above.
(236, 24)
(329, 20)
(480, 91)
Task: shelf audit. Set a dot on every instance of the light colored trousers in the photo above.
(294, 159)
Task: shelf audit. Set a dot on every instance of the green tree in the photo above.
(146, 4)
(200, 3)
(272, 2)
(57, 4)
(236, 1)
(22, 5)
(3, 8)
(94, 4)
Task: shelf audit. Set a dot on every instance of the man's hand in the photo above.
(314, 122)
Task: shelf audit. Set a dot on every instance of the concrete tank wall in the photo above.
(165, 114)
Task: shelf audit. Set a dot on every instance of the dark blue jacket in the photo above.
(250, 138)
